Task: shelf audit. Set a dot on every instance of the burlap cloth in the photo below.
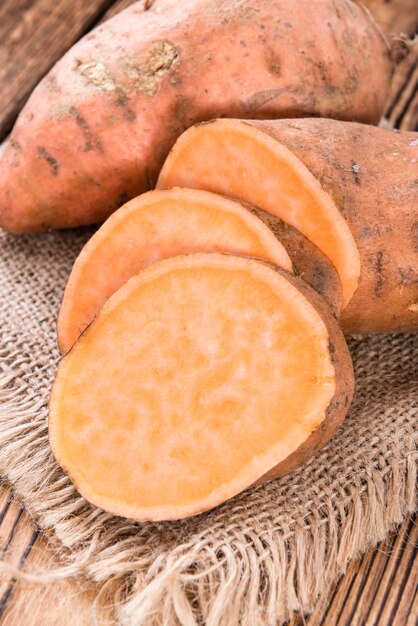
(250, 562)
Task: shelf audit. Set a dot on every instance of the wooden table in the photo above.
(379, 589)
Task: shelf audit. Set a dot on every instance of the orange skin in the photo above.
(97, 129)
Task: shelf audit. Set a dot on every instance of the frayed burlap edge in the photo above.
(260, 580)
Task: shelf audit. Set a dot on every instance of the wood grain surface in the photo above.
(379, 589)
(34, 34)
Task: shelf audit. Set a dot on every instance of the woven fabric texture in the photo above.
(252, 561)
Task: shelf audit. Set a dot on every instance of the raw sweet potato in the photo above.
(349, 188)
(96, 130)
(161, 224)
(257, 377)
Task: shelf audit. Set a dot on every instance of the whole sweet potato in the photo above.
(96, 130)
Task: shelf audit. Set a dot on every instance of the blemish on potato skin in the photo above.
(181, 108)
(355, 168)
(146, 75)
(52, 84)
(319, 279)
(333, 406)
(379, 273)
(366, 232)
(407, 275)
(15, 145)
(95, 73)
(52, 162)
(260, 98)
(176, 81)
(377, 231)
(122, 101)
(274, 65)
(123, 197)
(91, 142)
(129, 115)
(337, 10)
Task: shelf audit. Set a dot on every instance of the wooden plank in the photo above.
(377, 589)
(398, 576)
(119, 5)
(60, 603)
(16, 540)
(57, 604)
(34, 34)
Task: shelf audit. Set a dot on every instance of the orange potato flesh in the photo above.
(155, 226)
(236, 159)
(201, 375)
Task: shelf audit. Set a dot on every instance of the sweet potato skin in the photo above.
(97, 129)
(372, 176)
(309, 263)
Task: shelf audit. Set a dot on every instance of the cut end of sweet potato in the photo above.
(152, 227)
(202, 375)
(242, 160)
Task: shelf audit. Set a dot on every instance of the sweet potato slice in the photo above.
(350, 189)
(201, 376)
(161, 224)
(151, 227)
(96, 130)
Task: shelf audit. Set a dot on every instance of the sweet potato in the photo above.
(96, 130)
(351, 189)
(161, 224)
(256, 377)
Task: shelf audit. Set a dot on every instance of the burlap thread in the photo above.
(250, 562)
